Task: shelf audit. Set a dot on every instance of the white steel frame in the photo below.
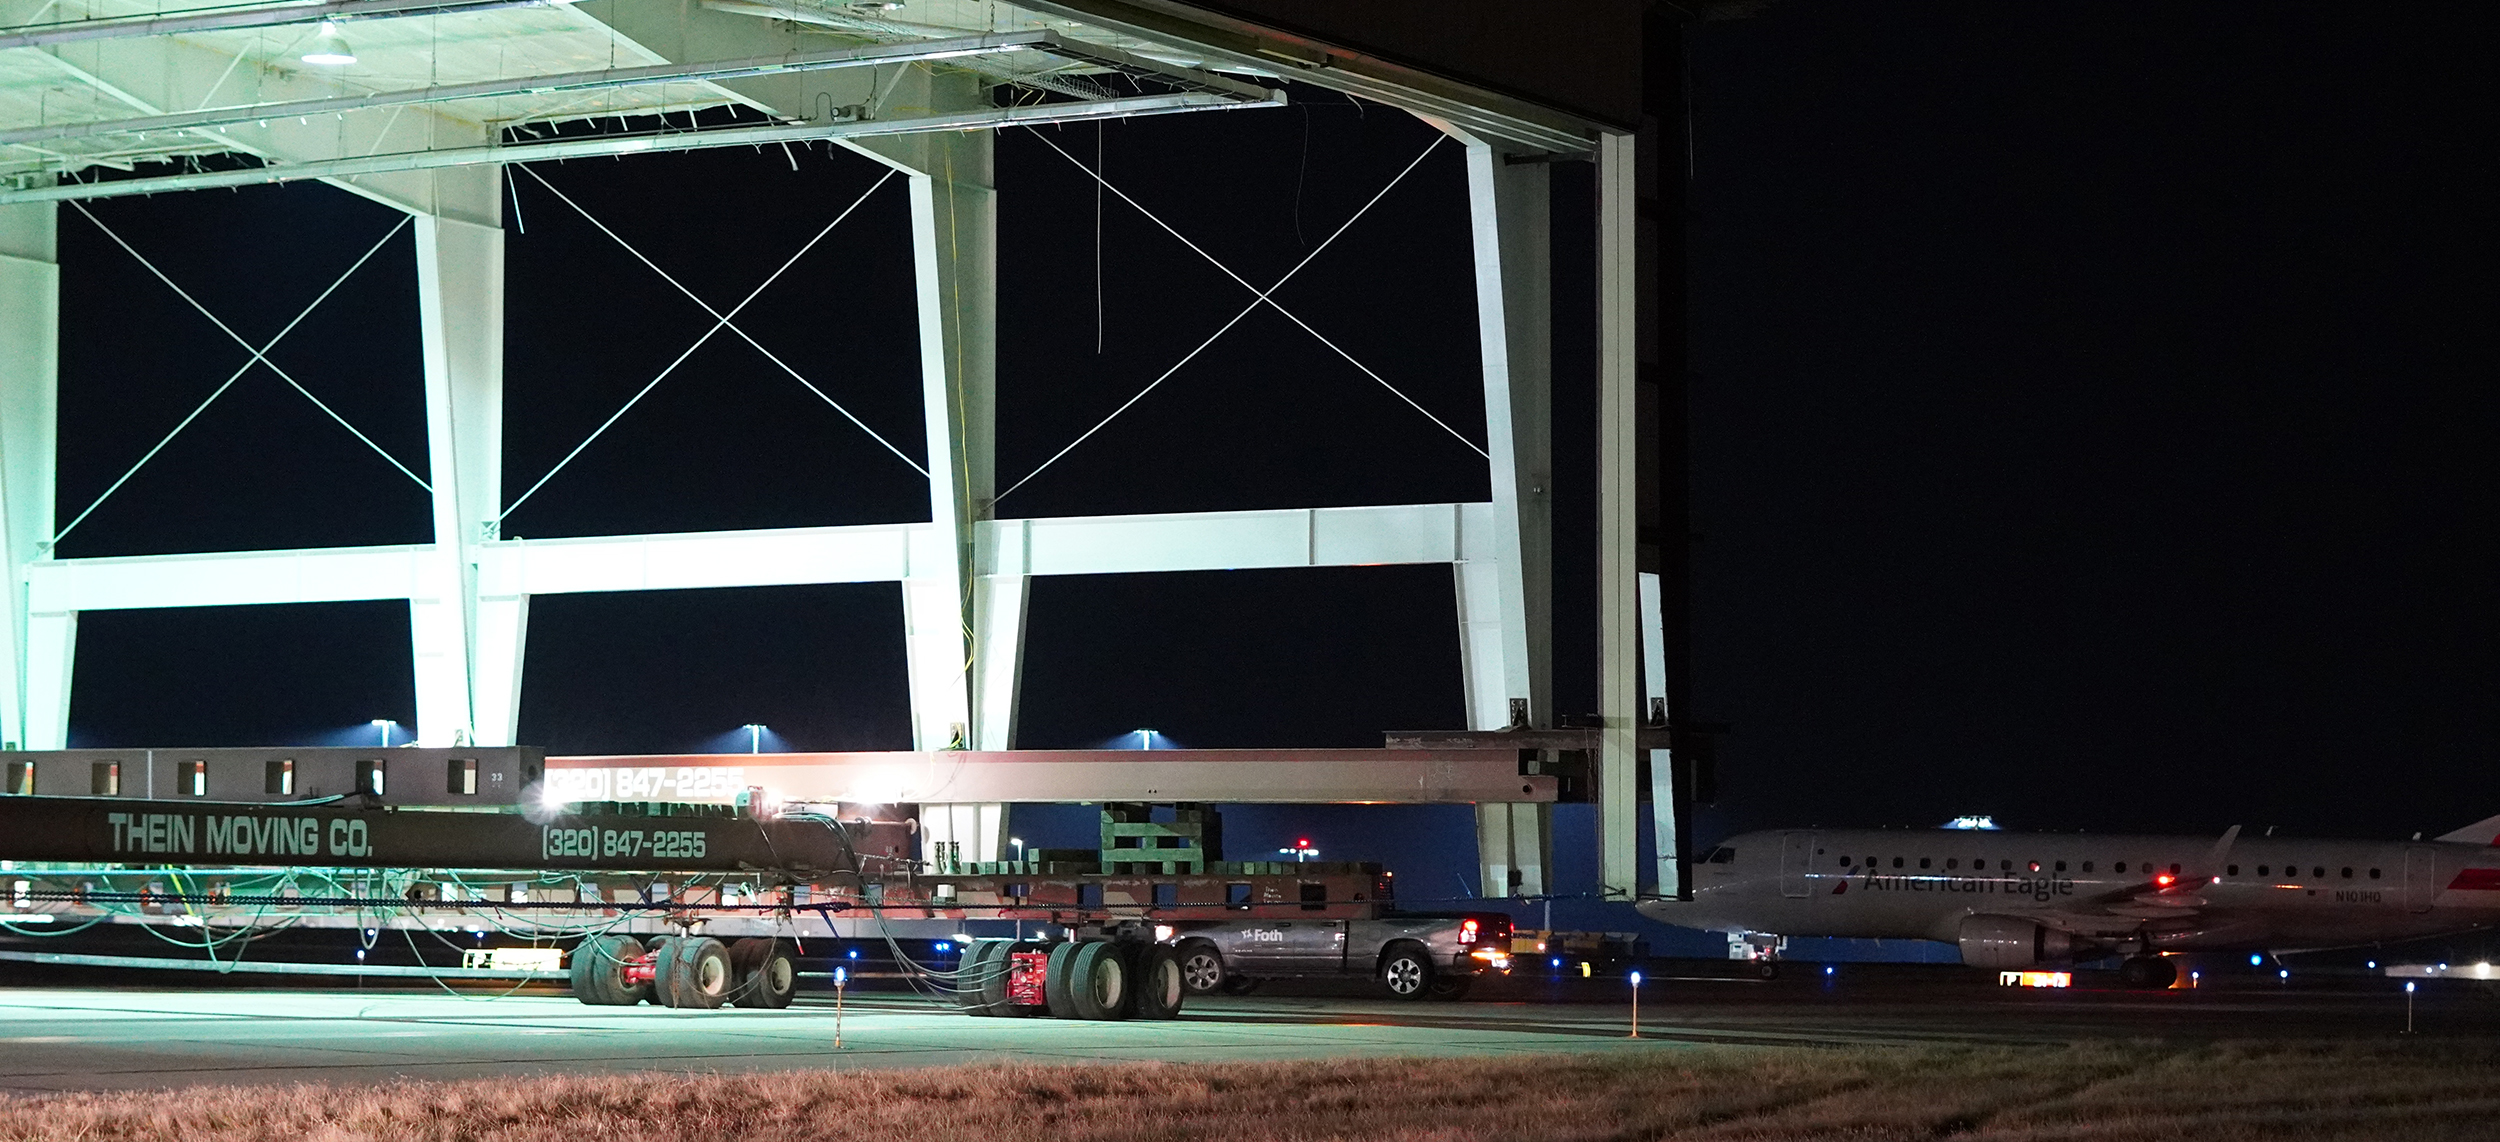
(964, 574)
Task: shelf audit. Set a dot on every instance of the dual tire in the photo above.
(1108, 980)
(599, 972)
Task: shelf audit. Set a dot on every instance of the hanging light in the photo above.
(329, 48)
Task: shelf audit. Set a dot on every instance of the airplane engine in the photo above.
(2009, 942)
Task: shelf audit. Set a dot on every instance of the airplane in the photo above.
(2014, 900)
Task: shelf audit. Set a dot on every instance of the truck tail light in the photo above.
(1467, 932)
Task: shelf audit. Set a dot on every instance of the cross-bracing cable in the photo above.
(259, 357)
(720, 321)
(1262, 298)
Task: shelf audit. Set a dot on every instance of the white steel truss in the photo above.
(965, 573)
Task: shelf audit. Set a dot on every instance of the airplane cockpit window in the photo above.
(1722, 855)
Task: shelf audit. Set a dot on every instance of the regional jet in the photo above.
(2025, 900)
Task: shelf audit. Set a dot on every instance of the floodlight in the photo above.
(329, 48)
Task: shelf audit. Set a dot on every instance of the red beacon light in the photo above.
(2165, 880)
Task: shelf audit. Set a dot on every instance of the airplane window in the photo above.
(1952, 862)
(1925, 862)
(2008, 866)
(2121, 866)
(2374, 874)
(2174, 870)
(1896, 862)
(2087, 866)
(2320, 873)
(2348, 874)
(2231, 870)
(2265, 870)
(2061, 866)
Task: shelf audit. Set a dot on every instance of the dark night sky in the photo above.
(2090, 426)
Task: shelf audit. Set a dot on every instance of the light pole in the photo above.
(384, 725)
(1300, 851)
(1145, 739)
(755, 737)
(1019, 843)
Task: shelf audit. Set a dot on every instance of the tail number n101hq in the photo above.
(593, 842)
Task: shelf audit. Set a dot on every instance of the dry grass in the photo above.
(2105, 1092)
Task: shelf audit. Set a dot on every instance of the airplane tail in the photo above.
(2483, 832)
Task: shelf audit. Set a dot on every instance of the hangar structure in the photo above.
(426, 105)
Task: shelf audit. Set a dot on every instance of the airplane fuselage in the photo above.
(2264, 894)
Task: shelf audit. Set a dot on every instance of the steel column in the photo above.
(1662, 792)
(1506, 602)
(460, 315)
(954, 220)
(30, 301)
(1618, 518)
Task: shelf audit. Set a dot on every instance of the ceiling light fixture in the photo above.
(329, 48)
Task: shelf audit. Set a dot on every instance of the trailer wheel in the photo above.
(694, 973)
(1056, 973)
(1100, 981)
(981, 980)
(1407, 972)
(1202, 967)
(766, 974)
(1159, 984)
(599, 972)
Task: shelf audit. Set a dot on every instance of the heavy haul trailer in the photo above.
(684, 905)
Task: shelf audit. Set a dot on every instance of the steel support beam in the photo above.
(460, 321)
(1618, 519)
(1505, 596)
(946, 781)
(34, 692)
(1662, 790)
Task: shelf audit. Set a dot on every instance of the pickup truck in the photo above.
(1414, 955)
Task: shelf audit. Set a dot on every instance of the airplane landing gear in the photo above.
(2150, 973)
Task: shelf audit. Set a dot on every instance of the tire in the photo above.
(694, 974)
(1056, 994)
(1407, 972)
(1766, 969)
(1451, 988)
(1160, 984)
(767, 974)
(2150, 973)
(981, 980)
(599, 972)
(1202, 968)
(1099, 981)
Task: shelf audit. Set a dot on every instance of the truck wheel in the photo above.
(694, 973)
(1202, 968)
(981, 982)
(1451, 988)
(1056, 973)
(1159, 983)
(1407, 972)
(767, 975)
(1099, 979)
(599, 972)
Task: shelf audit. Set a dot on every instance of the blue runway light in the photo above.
(1557, 963)
(2255, 960)
(943, 946)
(855, 953)
(1829, 969)
(2286, 973)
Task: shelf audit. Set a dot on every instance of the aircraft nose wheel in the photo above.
(2149, 973)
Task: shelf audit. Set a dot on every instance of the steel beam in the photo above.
(700, 71)
(1618, 524)
(232, 18)
(348, 170)
(30, 297)
(460, 323)
(938, 777)
(1662, 790)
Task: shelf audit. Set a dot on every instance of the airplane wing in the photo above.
(2166, 896)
